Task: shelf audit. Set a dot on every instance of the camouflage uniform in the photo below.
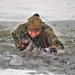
(45, 37)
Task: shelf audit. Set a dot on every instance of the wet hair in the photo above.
(36, 15)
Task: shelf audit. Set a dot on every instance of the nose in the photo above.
(33, 34)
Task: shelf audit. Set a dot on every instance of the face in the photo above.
(33, 34)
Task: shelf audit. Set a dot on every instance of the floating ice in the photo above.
(60, 51)
(16, 60)
(4, 58)
(7, 53)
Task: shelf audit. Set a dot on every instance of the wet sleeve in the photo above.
(17, 33)
(52, 38)
(16, 37)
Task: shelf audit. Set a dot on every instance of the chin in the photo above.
(33, 37)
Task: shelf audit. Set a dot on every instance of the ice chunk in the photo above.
(17, 60)
(4, 58)
(13, 56)
(60, 51)
(7, 53)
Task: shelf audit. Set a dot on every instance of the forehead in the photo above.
(34, 31)
(38, 29)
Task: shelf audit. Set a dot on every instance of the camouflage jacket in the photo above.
(46, 36)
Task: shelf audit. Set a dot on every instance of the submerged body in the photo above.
(43, 37)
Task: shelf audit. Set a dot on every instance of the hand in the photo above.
(24, 43)
(23, 46)
(53, 50)
(47, 49)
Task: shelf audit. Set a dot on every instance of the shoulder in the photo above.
(21, 26)
(46, 27)
(20, 29)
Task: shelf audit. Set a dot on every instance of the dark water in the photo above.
(56, 63)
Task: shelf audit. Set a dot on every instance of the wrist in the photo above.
(52, 46)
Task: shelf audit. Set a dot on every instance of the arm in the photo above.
(52, 38)
(19, 36)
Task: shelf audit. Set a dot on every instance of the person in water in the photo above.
(41, 35)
